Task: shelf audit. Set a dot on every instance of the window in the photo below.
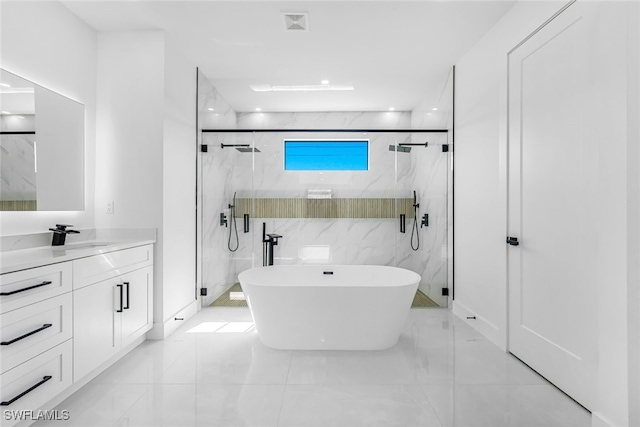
(326, 155)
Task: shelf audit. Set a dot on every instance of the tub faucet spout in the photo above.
(268, 242)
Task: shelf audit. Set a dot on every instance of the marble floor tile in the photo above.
(356, 405)
(539, 405)
(214, 371)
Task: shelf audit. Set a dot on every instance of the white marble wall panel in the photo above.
(325, 120)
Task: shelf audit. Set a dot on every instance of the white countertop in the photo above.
(22, 259)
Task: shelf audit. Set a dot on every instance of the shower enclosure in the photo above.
(384, 202)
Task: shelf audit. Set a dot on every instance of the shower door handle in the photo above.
(403, 224)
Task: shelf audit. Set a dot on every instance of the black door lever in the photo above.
(513, 241)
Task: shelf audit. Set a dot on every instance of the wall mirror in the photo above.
(41, 148)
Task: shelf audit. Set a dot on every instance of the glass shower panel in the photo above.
(226, 191)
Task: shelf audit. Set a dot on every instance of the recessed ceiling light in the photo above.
(211, 109)
(258, 109)
(5, 85)
(392, 108)
(300, 88)
(325, 82)
(434, 109)
(6, 112)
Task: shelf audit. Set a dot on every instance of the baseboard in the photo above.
(161, 331)
(481, 324)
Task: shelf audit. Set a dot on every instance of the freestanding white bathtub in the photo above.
(339, 307)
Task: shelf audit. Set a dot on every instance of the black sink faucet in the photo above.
(268, 242)
(60, 234)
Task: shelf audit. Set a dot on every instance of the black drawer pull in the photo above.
(28, 334)
(25, 289)
(121, 302)
(30, 389)
(329, 273)
(126, 307)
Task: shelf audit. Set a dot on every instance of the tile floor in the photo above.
(442, 373)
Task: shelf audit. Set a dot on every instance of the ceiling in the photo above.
(396, 54)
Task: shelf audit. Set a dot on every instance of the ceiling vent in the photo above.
(296, 21)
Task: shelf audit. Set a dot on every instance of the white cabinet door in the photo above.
(96, 330)
(136, 315)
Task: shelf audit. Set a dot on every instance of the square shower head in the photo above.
(399, 148)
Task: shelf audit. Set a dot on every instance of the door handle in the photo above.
(513, 241)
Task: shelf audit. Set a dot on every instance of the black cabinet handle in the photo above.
(25, 289)
(28, 334)
(30, 389)
(403, 226)
(121, 302)
(513, 241)
(126, 307)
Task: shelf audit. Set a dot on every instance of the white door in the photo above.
(552, 169)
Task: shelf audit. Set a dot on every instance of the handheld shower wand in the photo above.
(414, 229)
(233, 225)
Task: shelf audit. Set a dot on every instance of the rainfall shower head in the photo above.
(243, 148)
(400, 148)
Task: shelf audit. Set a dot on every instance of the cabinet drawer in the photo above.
(31, 330)
(42, 377)
(101, 267)
(35, 284)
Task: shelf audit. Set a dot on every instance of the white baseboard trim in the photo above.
(481, 324)
(161, 331)
(599, 420)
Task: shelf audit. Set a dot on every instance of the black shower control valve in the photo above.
(425, 221)
(223, 219)
(513, 241)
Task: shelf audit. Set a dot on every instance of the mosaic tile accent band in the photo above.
(18, 205)
(324, 208)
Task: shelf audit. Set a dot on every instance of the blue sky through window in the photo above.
(326, 155)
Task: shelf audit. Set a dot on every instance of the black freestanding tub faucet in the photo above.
(268, 242)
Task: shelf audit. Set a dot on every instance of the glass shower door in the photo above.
(226, 192)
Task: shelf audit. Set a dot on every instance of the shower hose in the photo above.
(233, 227)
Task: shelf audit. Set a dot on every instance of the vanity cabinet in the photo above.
(60, 322)
(35, 336)
(110, 315)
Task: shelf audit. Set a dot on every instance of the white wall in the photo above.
(480, 197)
(480, 170)
(179, 183)
(45, 43)
(146, 156)
(633, 216)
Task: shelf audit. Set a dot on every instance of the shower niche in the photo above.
(391, 208)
